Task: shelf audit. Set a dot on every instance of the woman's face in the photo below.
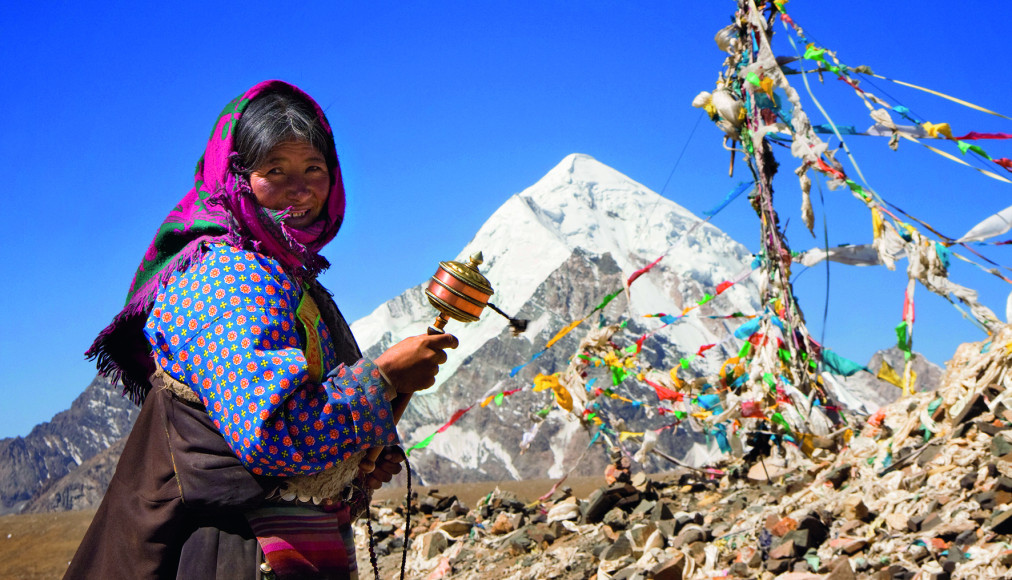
(294, 176)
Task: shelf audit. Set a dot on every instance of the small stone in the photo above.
(897, 521)
(1000, 446)
(689, 534)
(785, 550)
(840, 569)
(973, 408)
(739, 569)
(697, 550)
(661, 511)
(917, 552)
(783, 526)
(616, 519)
(455, 528)
(563, 512)
(505, 523)
(638, 535)
(431, 544)
(968, 481)
(1001, 523)
(930, 521)
(672, 569)
(986, 500)
(519, 542)
(929, 453)
(644, 507)
(838, 476)
(853, 508)
(777, 566)
(639, 480)
(598, 505)
(619, 549)
(765, 472)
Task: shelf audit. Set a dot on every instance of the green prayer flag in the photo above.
(779, 420)
(498, 399)
(421, 444)
(684, 362)
(839, 365)
(753, 78)
(706, 298)
(745, 350)
(606, 300)
(964, 147)
(618, 375)
(901, 337)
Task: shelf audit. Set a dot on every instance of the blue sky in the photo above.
(442, 111)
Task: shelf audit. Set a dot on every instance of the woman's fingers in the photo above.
(386, 467)
(411, 365)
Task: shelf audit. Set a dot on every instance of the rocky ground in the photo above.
(922, 489)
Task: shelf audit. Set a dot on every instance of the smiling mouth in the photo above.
(297, 214)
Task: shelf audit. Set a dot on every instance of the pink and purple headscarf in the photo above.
(219, 208)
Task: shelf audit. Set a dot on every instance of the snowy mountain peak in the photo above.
(580, 181)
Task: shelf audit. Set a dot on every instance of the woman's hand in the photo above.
(382, 471)
(411, 364)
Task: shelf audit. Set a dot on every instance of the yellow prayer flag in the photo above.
(564, 332)
(889, 375)
(935, 129)
(877, 223)
(543, 382)
(622, 436)
(563, 398)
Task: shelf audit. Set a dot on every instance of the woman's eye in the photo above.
(274, 171)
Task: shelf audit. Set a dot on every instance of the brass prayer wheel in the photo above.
(458, 291)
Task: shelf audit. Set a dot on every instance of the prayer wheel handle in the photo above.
(457, 291)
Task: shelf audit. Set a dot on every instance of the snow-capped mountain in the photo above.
(552, 252)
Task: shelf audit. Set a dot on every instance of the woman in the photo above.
(248, 456)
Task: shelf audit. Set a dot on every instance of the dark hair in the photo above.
(275, 116)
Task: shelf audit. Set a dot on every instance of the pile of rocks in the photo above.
(922, 489)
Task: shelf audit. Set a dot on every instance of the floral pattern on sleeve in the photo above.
(226, 327)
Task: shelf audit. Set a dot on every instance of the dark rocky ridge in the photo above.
(30, 465)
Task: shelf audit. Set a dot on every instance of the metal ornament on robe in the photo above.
(458, 291)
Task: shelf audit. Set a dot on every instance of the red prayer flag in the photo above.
(456, 415)
(642, 271)
(705, 348)
(664, 393)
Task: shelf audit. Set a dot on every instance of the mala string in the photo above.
(407, 530)
(372, 545)
(407, 520)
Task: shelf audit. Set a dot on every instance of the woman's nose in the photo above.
(298, 187)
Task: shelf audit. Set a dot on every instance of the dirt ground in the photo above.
(469, 493)
(40, 546)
